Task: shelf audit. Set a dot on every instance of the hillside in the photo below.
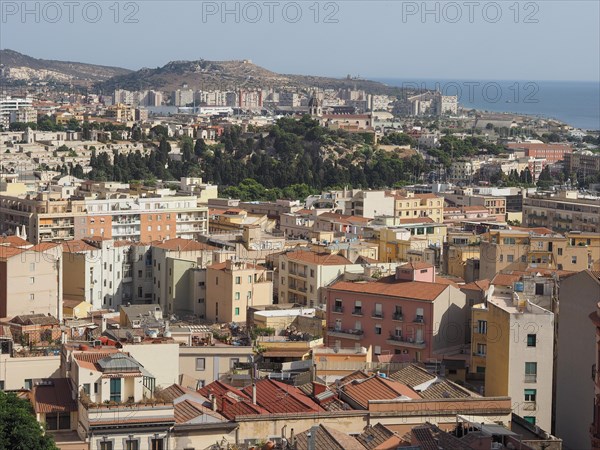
(16, 67)
(224, 75)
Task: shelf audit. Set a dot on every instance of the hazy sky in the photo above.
(543, 40)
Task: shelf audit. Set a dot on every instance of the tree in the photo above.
(19, 430)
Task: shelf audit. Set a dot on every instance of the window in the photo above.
(377, 329)
(237, 296)
(358, 325)
(132, 444)
(357, 307)
(233, 362)
(157, 444)
(539, 288)
(398, 332)
(312, 273)
(238, 280)
(31, 280)
(32, 267)
(249, 295)
(250, 279)
(397, 312)
(377, 350)
(237, 311)
(510, 258)
(419, 315)
(115, 389)
(106, 445)
(31, 296)
(573, 259)
(86, 388)
(282, 265)
(482, 326)
(509, 241)
(531, 340)
(378, 310)
(200, 364)
(217, 281)
(480, 369)
(530, 372)
(530, 419)
(95, 388)
(481, 349)
(501, 258)
(530, 395)
(560, 251)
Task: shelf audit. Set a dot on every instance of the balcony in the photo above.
(345, 333)
(402, 341)
(531, 378)
(529, 406)
(357, 312)
(397, 316)
(419, 320)
(338, 309)
(377, 315)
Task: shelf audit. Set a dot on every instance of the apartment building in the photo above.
(552, 153)
(575, 410)
(513, 339)
(502, 249)
(584, 163)
(496, 205)
(234, 286)
(562, 212)
(408, 314)
(303, 275)
(98, 271)
(408, 205)
(49, 217)
(594, 430)
(31, 281)
(404, 236)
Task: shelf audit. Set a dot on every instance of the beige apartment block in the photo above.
(517, 343)
(234, 286)
(409, 205)
(518, 248)
(562, 212)
(304, 274)
(30, 282)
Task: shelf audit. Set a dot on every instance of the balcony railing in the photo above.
(397, 316)
(377, 314)
(338, 309)
(357, 312)
(531, 378)
(419, 319)
(346, 333)
(405, 341)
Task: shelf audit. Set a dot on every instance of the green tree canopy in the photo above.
(19, 430)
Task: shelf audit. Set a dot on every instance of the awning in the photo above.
(285, 354)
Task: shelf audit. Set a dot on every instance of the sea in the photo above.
(576, 103)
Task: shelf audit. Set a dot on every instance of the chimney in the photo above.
(103, 326)
(213, 401)
(292, 437)
(254, 393)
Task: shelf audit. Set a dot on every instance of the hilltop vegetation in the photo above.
(299, 155)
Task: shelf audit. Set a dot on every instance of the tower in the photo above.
(315, 105)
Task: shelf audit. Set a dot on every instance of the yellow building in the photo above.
(502, 249)
(409, 205)
(397, 243)
(233, 286)
(76, 308)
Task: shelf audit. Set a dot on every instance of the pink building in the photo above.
(408, 314)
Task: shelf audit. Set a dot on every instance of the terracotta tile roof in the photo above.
(366, 260)
(412, 375)
(277, 397)
(430, 437)
(183, 245)
(327, 438)
(344, 218)
(44, 246)
(375, 388)
(89, 360)
(122, 421)
(188, 410)
(231, 409)
(123, 243)
(53, 398)
(14, 241)
(446, 389)
(505, 279)
(536, 230)
(326, 259)
(9, 252)
(479, 285)
(77, 246)
(374, 435)
(388, 286)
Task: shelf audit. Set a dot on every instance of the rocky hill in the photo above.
(16, 67)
